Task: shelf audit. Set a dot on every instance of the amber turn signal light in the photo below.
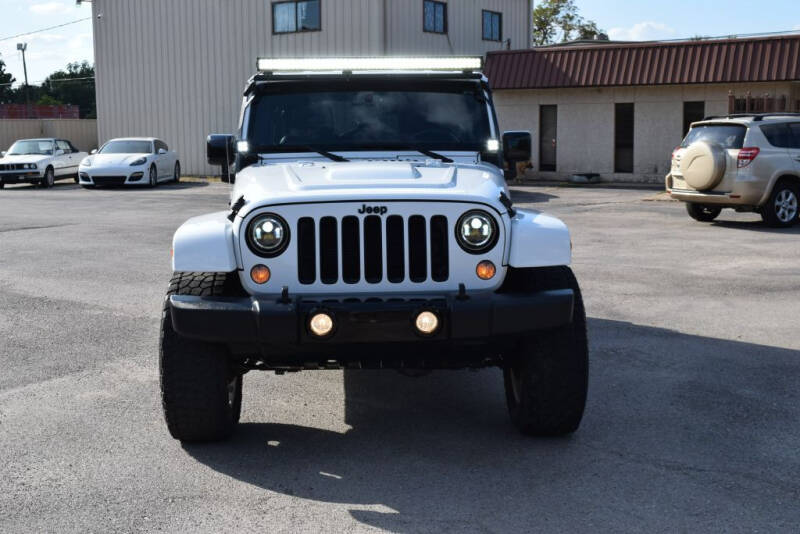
(485, 270)
(260, 274)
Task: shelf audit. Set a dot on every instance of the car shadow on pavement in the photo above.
(756, 226)
(680, 431)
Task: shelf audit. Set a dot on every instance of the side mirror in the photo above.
(59, 152)
(93, 151)
(516, 146)
(2, 154)
(220, 149)
(161, 151)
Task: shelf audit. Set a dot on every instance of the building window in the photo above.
(434, 16)
(492, 26)
(692, 112)
(296, 16)
(623, 138)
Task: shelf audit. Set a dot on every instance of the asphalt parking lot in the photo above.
(692, 424)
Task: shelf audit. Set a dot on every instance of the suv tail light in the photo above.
(746, 156)
(675, 151)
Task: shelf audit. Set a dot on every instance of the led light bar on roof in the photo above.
(388, 63)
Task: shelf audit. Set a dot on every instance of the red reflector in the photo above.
(746, 156)
(735, 196)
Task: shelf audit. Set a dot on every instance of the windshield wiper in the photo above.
(431, 154)
(329, 155)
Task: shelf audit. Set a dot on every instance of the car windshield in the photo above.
(725, 135)
(364, 115)
(33, 146)
(126, 147)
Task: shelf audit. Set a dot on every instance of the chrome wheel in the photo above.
(786, 206)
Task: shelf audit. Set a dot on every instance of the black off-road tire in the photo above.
(201, 392)
(702, 212)
(547, 376)
(770, 211)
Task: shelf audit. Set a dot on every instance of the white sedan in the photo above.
(130, 161)
(39, 161)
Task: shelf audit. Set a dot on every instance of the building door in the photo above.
(692, 112)
(623, 138)
(548, 133)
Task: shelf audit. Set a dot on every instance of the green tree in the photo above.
(6, 79)
(47, 100)
(558, 21)
(75, 86)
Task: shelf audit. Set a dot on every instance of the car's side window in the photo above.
(62, 145)
(794, 141)
(72, 147)
(778, 135)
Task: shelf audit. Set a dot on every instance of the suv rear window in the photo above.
(725, 135)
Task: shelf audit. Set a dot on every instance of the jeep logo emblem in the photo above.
(378, 210)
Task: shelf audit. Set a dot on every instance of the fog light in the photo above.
(427, 322)
(260, 274)
(321, 324)
(485, 270)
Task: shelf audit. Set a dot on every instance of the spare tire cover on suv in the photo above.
(703, 165)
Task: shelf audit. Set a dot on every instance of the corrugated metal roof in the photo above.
(718, 61)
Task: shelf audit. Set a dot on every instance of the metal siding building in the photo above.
(175, 69)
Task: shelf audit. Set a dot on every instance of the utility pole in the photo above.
(22, 47)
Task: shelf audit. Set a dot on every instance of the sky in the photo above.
(639, 20)
(50, 50)
(623, 19)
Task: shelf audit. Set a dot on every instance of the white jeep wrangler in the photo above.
(370, 226)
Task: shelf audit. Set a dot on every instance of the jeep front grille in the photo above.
(395, 247)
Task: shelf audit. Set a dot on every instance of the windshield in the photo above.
(366, 115)
(126, 147)
(725, 135)
(20, 148)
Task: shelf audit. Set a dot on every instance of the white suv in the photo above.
(746, 162)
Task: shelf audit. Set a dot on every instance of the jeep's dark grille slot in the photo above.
(440, 262)
(328, 251)
(373, 249)
(395, 249)
(417, 249)
(306, 251)
(351, 253)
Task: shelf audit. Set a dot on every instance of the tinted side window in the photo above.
(794, 142)
(62, 145)
(725, 135)
(778, 135)
(160, 145)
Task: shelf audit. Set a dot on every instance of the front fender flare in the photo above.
(204, 244)
(538, 240)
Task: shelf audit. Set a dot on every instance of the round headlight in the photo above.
(476, 232)
(268, 235)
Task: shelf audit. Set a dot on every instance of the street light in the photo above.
(22, 47)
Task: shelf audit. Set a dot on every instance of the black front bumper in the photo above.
(283, 325)
(20, 178)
